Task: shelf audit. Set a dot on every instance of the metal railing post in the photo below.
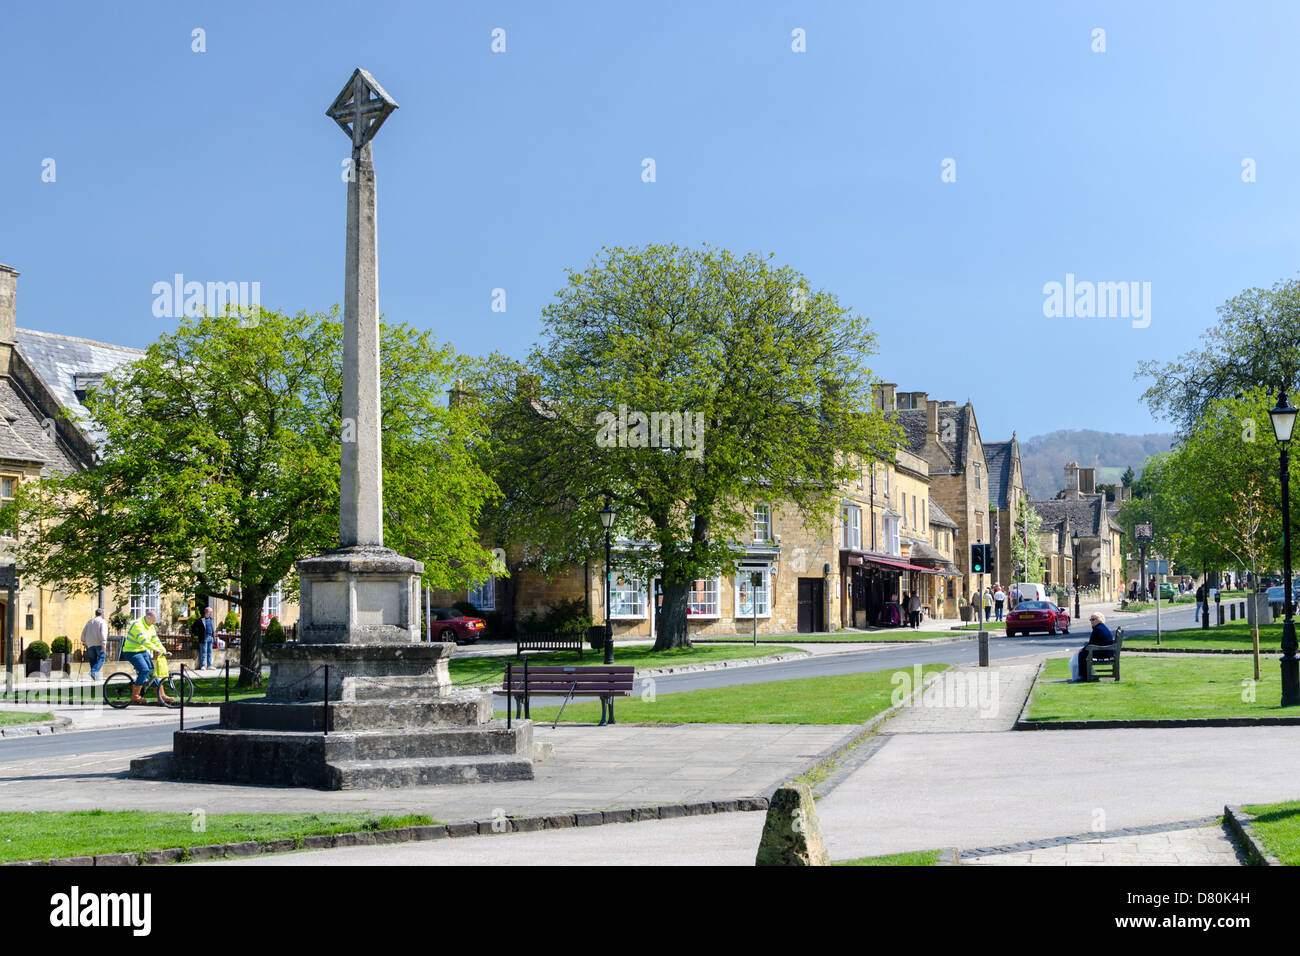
(326, 716)
(510, 683)
(182, 693)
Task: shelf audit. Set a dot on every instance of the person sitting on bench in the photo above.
(1100, 636)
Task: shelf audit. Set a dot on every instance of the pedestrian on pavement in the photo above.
(999, 599)
(988, 603)
(94, 636)
(1100, 636)
(1200, 597)
(914, 610)
(204, 631)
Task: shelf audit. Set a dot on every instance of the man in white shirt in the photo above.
(94, 636)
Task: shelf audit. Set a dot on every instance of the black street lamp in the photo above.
(1283, 418)
(1074, 537)
(607, 519)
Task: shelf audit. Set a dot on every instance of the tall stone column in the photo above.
(361, 483)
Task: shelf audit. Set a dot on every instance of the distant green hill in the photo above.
(1043, 457)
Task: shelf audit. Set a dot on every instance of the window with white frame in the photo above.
(271, 606)
(747, 595)
(627, 597)
(144, 597)
(892, 543)
(484, 596)
(703, 601)
(8, 489)
(851, 527)
(762, 522)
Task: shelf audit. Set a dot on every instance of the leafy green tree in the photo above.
(1028, 527)
(220, 467)
(1255, 344)
(1126, 479)
(767, 377)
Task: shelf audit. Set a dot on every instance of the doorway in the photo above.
(812, 605)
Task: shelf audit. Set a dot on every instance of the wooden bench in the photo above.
(550, 641)
(522, 683)
(1104, 659)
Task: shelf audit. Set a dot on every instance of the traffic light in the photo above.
(978, 558)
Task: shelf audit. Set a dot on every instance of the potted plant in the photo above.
(274, 633)
(230, 624)
(38, 658)
(60, 653)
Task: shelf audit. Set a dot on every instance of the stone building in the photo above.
(1084, 511)
(44, 378)
(947, 436)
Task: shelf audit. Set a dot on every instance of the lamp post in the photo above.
(607, 519)
(1283, 418)
(1074, 537)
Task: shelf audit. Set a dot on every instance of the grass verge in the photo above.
(48, 835)
(473, 671)
(1160, 687)
(918, 858)
(1277, 825)
(842, 699)
(1234, 636)
(9, 717)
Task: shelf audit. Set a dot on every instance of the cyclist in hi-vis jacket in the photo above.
(141, 647)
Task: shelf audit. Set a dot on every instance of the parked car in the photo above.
(1167, 591)
(1277, 596)
(1037, 616)
(450, 624)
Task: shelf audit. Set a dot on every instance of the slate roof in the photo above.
(1087, 515)
(998, 457)
(58, 359)
(925, 552)
(23, 437)
(939, 516)
(952, 459)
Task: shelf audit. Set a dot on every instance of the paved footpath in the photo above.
(958, 776)
(1191, 846)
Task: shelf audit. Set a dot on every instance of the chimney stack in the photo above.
(931, 421)
(8, 314)
(1072, 480)
(1087, 481)
(885, 396)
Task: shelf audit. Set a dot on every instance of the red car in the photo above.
(450, 624)
(1037, 616)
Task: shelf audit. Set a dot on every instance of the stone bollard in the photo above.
(1232, 612)
(792, 834)
(1220, 607)
(984, 648)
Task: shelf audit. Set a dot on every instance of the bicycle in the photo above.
(117, 689)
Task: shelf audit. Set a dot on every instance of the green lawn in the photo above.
(47, 835)
(1233, 636)
(1278, 827)
(845, 699)
(1160, 687)
(19, 717)
(918, 858)
(490, 670)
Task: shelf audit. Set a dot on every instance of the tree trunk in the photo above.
(672, 630)
(250, 636)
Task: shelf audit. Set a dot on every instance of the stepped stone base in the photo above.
(394, 721)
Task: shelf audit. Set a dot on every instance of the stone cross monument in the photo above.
(359, 701)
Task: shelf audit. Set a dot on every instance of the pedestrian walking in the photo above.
(204, 631)
(1200, 598)
(95, 636)
(988, 603)
(999, 600)
(914, 610)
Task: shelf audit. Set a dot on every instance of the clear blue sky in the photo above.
(501, 170)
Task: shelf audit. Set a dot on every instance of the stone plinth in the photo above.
(359, 595)
(358, 671)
